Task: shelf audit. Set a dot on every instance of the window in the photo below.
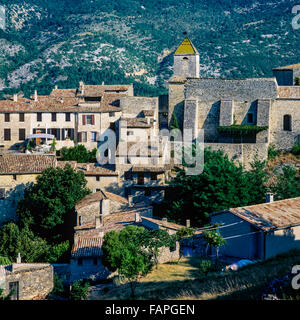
(185, 65)
(14, 288)
(88, 119)
(68, 117)
(7, 135)
(250, 118)
(130, 133)
(112, 114)
(140, 178)
(21, 117)
(53, 116)
(67, 134)
(287, 122)
(94, 136)
(79, 220)
(82, 136)
(2, 193)
(55, 132)
(97, 178)
(95, 261)
(153, 176)
(128, 175)
(14, 176)
(22, 133)
(6, 117)
(39, 116)
(80, 261)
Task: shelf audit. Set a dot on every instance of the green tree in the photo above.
(214, 240)
(288, 184)
(79, 290)
(297, 81)
(222, 184)
(78, 153)
(123, 252)
(48, 205)
(14, 240)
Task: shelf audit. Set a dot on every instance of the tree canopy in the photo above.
(222, 185)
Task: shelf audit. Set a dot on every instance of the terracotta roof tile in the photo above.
(25, 164)
(268, 216)
(87, 247)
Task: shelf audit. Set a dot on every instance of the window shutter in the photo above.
(93, 119)
(84, 119)
(62, 134)
(79, 137)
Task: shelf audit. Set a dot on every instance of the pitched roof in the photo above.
(186, 47)
(87, 247)
(269, 216)
(138, 122)
(289, 92)
(89, 169)
(97, 196)
(290, 67)
(25, 164)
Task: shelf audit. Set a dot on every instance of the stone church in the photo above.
(243, 117)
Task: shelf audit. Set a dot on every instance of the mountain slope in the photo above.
(65, 41)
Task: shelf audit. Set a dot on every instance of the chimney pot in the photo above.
(137, 217)
(15, 97)
(164, 221)
(130, 200)
(56, 87)
(98, 222)
(269, 197)
(188, 223)
(35, 95)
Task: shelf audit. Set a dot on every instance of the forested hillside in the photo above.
(61, 42)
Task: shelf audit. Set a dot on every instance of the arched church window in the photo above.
(287, 122)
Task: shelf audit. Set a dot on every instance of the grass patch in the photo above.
(185, 281)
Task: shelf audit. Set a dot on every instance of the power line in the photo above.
(220, 227)
(242, 235)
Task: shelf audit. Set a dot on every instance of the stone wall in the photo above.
(167, 255)
(14, 191)
(281, 139)
(227, 89)
(243, 153)
(35, 280)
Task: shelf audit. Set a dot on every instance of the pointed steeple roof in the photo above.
(186, 47)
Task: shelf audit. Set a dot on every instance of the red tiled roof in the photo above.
(97, 196)
(89, 169)
(25, 164)
(268, 216)
(87, 247)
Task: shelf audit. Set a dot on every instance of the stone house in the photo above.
(29, 281)
(267, 106)
(260, 231)
(72, 115)
(18, 171)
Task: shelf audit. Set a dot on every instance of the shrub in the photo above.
(296, 149)
(58, 288)
(206, 266)
(79, 290)
(272, 152)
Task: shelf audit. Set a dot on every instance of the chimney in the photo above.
(19, 260)
(137, 217)
(15, 97)
(269, 197)
(148, 120)
(188, 223)
(130, 200)
(35, 95)
(164, 221)
(103, 83)
(98, 221)
(56, 87)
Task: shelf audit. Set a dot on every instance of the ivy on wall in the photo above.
(241, 129)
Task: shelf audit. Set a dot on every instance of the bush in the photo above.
(272, 152)
(58, 288)
(79, 290)
(296, 149)
(206, 266)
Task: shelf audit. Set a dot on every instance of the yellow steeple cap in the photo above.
(186, 47)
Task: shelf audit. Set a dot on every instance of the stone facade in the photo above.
(33, 281)
(206, 104)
